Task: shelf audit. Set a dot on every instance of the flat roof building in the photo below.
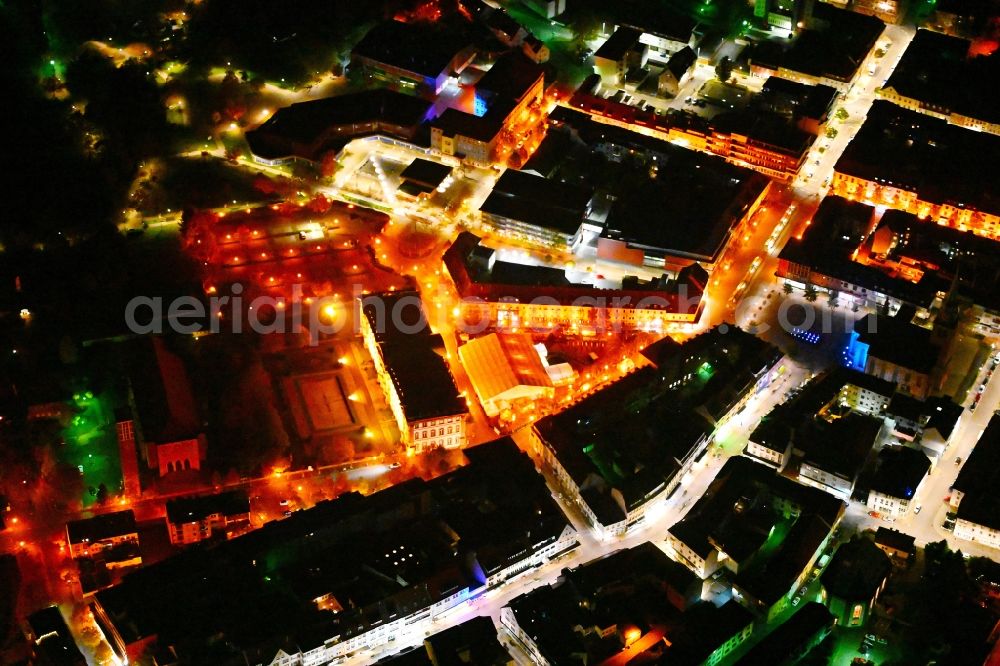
(829, 51)
(536, 209)
(308, 130)
(418, 57)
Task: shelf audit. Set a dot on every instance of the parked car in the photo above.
(917, 509)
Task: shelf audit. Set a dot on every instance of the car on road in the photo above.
(874, 514)
(394, 465)
(958, 461)
(917, 509)
(284, 502)
(796, 601)
(805, 588)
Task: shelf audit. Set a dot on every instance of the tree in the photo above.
(833, 300)
(787, 288)
(724, 70)
(842, 114)
(811, 293)
(831, 132)
(329, 165)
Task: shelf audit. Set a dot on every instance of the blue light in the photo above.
(480, 106)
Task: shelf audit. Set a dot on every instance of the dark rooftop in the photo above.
(767, 128)
(798, 99)
(619, 432)
(690, 208)
(473, 643)
(258, 591)
(511, 76)
(655, 18)
(838, 228)
(834, 48)
(422, 379)
(422, 48)
(897, 341)
(192, 509)
(936, 70)
(413, 356)
(300, 128)
(53, 638)
(944, 414)
(740, 497)
(980, 477)
(481, 128)
(164, 401)
(103, 526)
(793, 635)
(840, 447)
(857, 570)
(941, 162)
(625, 589)
(894, 539)
(540, 201)
(900, 470)
(618, 44)
(772, 433)
(681, 61)
(425, 172)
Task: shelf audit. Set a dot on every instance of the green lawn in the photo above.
(92, 445)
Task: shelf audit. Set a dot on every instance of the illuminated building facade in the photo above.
(505, 97)
(193, 519)
(91, 536)
(507, 296)
(777, 155)
(897, 480)
(541, 211)
(412, 372)
(942, 76)
(416, 551)
(505, 371)
(412, 57)
(910, 161)
(973, 495)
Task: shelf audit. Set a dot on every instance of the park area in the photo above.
(91, 445)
